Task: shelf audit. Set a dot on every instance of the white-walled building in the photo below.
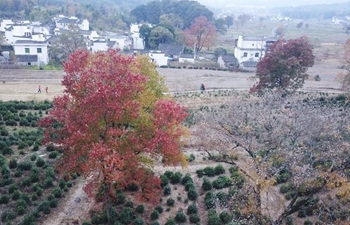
(4, 24)
(30, 52)
(158, 58)
(251, 48)
(63, 22)
(137, 41)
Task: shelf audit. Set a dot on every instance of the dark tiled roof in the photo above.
(229, 58)
(111, 43)
(250, 64)
(67, 20)
(187, 56)
(6, 47)
(171, 49)
(30, 42)
(27, 58)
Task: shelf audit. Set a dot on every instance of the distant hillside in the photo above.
(102, 14)
(324, 11)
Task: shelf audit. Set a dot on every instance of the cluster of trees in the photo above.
(178, 22)
(185, 11)
(200, 34)
(114, 123)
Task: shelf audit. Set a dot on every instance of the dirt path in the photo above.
(74, 209)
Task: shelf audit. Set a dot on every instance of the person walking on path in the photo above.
(39, 89)
(47, 90)
(202, 88)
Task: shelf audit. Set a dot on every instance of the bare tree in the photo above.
(301, 140)
(66, 43)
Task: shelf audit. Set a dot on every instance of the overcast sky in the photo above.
(267, 3)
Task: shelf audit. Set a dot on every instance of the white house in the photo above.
(251, 48)
(137, 41)
(63, 22)
(26, 31)
(186, 58)
(158, 58)
(4, 24)
(30, 52)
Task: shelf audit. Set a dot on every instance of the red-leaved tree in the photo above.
(114, 123)
(284, 66)
(200, 34)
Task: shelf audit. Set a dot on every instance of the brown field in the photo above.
(23, 84)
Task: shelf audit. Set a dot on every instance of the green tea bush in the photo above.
(200, 173)
(13, 164)
(189, 185)
(170, 222)
(187, 178)
(40, 162)
(209, 200)
(287, 187)
(213, 218)
(180, 217)
(209, 171)
(4, 199)
(170, 202)
(154, 215)
(13, 188)
(8, 215)
(33, 157)
(192, 194)
(225, 217)
(140, 209)
(219, 169)
(222, 182)
(53, 154)
(25, 165)
(206, 185)
(176, 178)
(167, 190)
(15, 195)
(159, 209)
(192, 209)
(164, 180)
(168, 174)
(57, 192)
(194, 218)
(126, 216)
(138, 221)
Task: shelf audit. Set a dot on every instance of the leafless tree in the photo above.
(302, 134)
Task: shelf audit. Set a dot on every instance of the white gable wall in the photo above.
(39, 49)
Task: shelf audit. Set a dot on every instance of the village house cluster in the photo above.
(31, 41)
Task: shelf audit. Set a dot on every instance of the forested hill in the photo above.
(324, 11)
(184, 9)
(103, 12)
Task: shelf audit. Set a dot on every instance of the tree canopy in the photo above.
(114, 123)
(284, 66)
(201, 33)
(186, 10)
(66, 43)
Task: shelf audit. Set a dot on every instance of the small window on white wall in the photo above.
(245, 54)
(27, 50)
(257, 55)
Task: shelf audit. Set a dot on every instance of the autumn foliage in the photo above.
(114, 123)
(284, 65)
(200, 34)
